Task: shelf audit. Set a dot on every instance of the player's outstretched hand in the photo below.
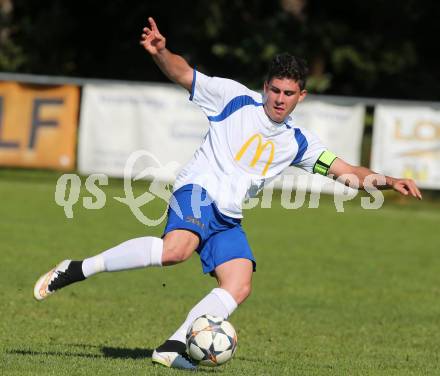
(407, 187)
(151, 39)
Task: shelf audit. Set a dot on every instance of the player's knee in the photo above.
(174, 253)
(245, 291)
(240, 292)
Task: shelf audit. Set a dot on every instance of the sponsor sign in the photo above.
(406, 143)
(38, 125)
(119, 119)
(260, 148)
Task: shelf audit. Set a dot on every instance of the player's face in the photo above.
(282, 95)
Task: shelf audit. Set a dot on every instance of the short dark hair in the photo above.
(288, 66)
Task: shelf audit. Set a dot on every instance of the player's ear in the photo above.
(265, 90)
(265, 86)
(302, 95)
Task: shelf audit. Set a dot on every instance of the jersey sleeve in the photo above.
(212, 94)
(312, 154)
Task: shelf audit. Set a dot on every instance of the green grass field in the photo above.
(353, 293)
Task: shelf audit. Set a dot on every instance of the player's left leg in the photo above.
(234, 279)
(227, 256)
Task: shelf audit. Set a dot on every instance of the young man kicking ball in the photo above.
(251, 140)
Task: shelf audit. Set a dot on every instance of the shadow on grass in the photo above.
(121, 353)
(106, 352)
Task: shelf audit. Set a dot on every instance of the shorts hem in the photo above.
(211, 270)
(190, 229)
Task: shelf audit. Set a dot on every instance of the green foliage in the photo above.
(364, 48)
(11, 54)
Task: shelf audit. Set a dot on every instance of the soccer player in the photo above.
(251, 140)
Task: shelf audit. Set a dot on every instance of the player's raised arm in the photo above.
(363, 178)
(173, 66)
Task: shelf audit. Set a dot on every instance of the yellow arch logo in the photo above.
(260, 148)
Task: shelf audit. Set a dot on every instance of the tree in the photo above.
(11, 55)
(363, 48)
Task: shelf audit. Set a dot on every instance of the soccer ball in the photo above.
(211, 340)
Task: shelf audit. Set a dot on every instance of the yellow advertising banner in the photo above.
(38, 125)
(406, 143)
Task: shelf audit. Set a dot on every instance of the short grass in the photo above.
(353, 293)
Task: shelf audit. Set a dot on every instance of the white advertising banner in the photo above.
(117, 120)
(406, 143)
(340, 128)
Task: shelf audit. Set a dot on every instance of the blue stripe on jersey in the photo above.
(193, 85)
(302, 146)
(234, 105)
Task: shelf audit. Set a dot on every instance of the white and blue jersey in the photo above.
(243, 148)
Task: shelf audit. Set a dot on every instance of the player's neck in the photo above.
(272, 120)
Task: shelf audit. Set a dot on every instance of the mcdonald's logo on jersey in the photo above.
(260, 148)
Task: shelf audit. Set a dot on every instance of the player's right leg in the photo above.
(183, 235)
(133, 254)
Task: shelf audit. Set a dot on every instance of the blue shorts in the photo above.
(221, 237)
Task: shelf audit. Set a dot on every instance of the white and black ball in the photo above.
(211, 340)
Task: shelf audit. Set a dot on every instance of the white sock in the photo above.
(218, 302)
(132, 254)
